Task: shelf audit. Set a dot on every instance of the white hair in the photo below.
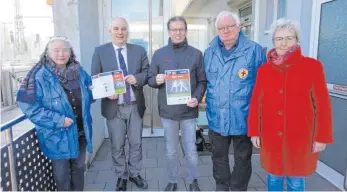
(283, 23)
(227, 13)
(117, 18)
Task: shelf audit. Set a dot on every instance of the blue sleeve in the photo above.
(88, 83)
(39, 115)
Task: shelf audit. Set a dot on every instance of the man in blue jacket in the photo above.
(231, 64)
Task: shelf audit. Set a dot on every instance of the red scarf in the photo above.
(279, 59)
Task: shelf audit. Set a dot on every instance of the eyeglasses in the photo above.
(177, 30)
(226, 28)
(288, 39)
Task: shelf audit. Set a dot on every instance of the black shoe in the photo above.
(139, 182)
(194, 186)
(171, 187)
(121, 185)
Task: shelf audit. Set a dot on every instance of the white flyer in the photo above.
(107, 84)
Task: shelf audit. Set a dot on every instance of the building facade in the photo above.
(324, 36)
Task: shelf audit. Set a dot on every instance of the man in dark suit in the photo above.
(124, 112)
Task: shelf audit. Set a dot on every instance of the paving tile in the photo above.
(212, 181)
(102, 152)
(151, 145)
(261, 188)
(154, 153)
(147, 163)
(161, 162)
(108, 156)
(205, 184)
(315, 182)
(105, 176)
(101, 175)
(90, 177)
(153, 185)
(101, 166)
(255, 181)
(205, 160)
(111, 186)
(204, 170)
(262, 174)
(256, 157)
(160, 145)
(94, 187)
(155, 173)
(181, 186)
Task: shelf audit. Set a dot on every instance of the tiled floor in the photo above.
(100, 176)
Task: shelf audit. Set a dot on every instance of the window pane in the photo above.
(281, 9)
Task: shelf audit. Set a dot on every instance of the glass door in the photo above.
(146, 20)
(329, 46)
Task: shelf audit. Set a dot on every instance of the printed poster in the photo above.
(108, 84)
(178, 89)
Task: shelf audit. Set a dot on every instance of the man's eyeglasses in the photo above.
(288, 39)
(178, 30)
(226, 28)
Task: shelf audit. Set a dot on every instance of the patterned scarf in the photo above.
(280, 59)
(68, 78)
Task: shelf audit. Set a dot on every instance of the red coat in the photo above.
(290, 109)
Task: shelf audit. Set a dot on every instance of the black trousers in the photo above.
(69, 173)
(225, 180)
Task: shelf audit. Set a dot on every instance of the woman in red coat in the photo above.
(290, 117)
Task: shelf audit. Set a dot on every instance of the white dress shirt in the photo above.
(124, 53)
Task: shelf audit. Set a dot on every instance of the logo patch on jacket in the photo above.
(167, 60)
(243, 73)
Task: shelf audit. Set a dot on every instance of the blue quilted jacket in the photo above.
(230, 82)
(49, 111)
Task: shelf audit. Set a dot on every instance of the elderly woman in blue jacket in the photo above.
(55, 96)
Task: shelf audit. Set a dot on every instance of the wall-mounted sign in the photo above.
(338, 89)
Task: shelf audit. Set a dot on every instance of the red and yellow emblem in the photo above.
(243, 73)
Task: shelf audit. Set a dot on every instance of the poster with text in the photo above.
(178, 89)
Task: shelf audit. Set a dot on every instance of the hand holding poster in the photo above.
(178, 89)
(108, 84)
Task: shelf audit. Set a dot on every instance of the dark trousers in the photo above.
(239, 178)
(69, 173)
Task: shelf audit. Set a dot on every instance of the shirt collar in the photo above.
(116, 47)
(221, 44)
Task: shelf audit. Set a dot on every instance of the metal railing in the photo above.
(23, 166)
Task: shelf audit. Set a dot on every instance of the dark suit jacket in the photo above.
(104, 60)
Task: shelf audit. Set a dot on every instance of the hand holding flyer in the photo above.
(178, 89)
(107, 84)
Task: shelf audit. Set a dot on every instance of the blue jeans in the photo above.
(275, 183)
(69, 173)
(188, 135)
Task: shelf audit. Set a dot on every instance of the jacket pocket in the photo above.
(240, 91)
(55, 141)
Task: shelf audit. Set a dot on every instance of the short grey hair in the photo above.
(283, 23)
(227, 13)
(117, 18)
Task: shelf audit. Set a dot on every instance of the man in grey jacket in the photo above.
(124, 112)
(179, 55)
